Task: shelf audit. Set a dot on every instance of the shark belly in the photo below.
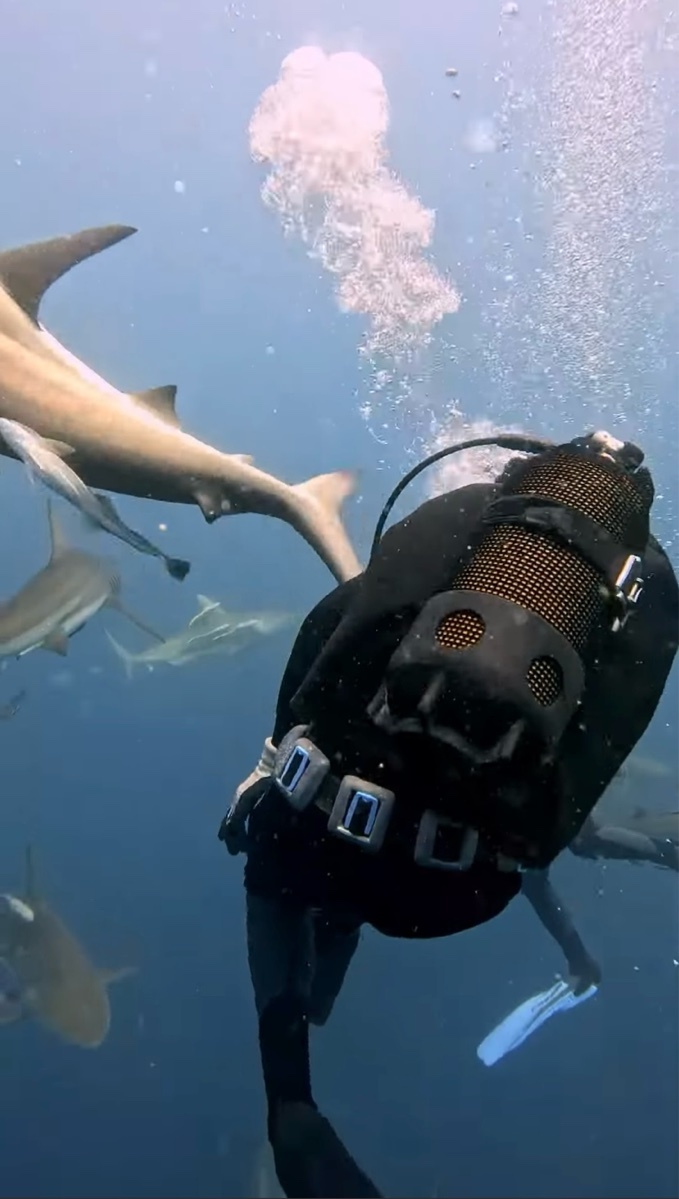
(118, 445)
(67, 620)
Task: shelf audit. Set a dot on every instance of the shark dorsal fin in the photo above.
(27, 271)
(205, 603)
(30, 888)
(58, 543)
(160, 401)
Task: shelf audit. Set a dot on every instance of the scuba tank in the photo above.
(493, 669)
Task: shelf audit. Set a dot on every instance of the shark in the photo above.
(56, 982)
(132, 443)
(45, 462)
(60, 599)
(214, 630)
(9, 710)
(658, 781)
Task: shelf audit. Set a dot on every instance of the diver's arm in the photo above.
(315, 631)
(540, 893)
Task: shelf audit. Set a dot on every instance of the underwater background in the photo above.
(553, 177)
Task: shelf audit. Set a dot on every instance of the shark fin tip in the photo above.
(177, 568)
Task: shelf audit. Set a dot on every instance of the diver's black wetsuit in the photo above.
(308, 892)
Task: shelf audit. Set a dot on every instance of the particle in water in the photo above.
(179, 187)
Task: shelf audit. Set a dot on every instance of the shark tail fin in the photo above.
(321, 503)
(177, 568)
(127, 659)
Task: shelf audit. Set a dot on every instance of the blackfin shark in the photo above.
(56, 982)
(214, 630)
(45, 461)
(132, 443)
(59, 600)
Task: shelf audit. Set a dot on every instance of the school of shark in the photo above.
(80, 438)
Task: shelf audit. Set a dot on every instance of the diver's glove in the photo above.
(262, 770)
(233, 829)
(583, 972)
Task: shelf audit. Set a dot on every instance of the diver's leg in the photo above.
(310, 1158)
(280, 949)
(335, 942)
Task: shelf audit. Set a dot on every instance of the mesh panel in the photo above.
(545, 679)
(586, 485)
(536, 571)
(459, 630)
(539, 574)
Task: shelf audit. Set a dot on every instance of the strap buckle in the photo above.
(300, 768)
(445, 844)
(626, 591)
(361, 813)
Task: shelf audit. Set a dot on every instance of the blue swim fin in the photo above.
(525, 1019)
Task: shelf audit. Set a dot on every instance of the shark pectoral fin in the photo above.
(128, 660)
(56, 642)
(115, 976)
(60, 448)
(27, 271)
(58, 541)
(210, 500)
(160, 401)
(115, 602)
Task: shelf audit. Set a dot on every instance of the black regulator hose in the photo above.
(522, 444)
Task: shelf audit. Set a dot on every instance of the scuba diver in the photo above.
(445, 725)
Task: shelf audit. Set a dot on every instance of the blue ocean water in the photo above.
(120, 785)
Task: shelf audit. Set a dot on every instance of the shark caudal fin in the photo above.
(128, 660)
(320, 500)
